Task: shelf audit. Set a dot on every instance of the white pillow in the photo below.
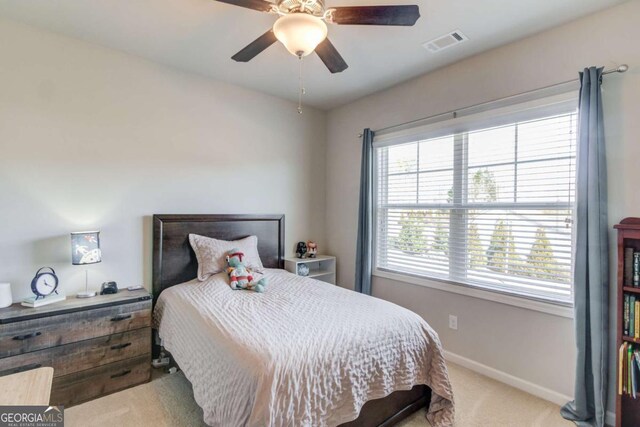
(211, 254)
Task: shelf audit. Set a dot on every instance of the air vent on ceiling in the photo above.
(446, 41)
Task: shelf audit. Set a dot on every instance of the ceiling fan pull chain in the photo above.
(300, 86)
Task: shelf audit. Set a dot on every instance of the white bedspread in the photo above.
(304, 353)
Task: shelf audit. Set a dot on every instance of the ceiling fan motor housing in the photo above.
(312, 7)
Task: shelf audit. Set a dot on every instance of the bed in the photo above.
(302, 353)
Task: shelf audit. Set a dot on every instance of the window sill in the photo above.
(494, 296)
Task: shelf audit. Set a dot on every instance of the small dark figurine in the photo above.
(301, 249)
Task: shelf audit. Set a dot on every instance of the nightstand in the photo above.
(322, 267)
(95, 346)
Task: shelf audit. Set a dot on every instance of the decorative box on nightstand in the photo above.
(95, 346)
(322, 267)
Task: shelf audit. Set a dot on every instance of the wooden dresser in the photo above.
(95, 346)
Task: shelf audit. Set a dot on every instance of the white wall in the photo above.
(95, 138)
(530, 345)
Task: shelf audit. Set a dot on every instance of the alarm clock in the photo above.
(44, 283)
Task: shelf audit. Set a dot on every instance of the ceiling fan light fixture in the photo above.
(300, 33)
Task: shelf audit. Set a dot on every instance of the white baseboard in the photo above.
(519, 383)
(503, 377)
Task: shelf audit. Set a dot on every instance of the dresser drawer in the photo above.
(85, 385)
(69, 358)
(36, 334)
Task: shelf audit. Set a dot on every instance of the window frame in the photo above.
(459, 127)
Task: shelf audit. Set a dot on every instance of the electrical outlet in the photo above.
(453, 322)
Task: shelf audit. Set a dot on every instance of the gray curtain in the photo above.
(364, 250)
(591, 270)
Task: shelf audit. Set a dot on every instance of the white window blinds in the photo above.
(488, 207)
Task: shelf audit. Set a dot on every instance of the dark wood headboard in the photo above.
(175, 262)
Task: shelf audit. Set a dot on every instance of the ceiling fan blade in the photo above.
(260, 5)
(330, 56)
(255, 47)
(406, 15)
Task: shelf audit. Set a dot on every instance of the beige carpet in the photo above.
(168, 401)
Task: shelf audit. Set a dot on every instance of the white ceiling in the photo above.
(201, 36)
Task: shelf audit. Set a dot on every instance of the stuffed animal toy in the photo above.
(301, 250)
(312, 249)
(240, 277)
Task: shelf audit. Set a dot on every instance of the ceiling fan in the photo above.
(301, 26)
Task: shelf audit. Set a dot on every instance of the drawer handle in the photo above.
(21, 369)
(27, 336)
(119, 346)
(121, 317)
(121, 374)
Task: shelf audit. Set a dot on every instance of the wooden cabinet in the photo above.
(95, 346)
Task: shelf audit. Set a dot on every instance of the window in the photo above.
(489, 207)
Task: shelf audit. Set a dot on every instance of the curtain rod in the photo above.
(619, 69)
